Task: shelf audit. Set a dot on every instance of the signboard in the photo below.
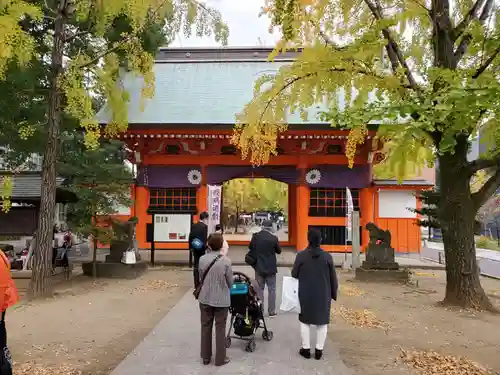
(350, 209)
(172, 227)
(214, 206)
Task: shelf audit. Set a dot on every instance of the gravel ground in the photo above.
(88, 328)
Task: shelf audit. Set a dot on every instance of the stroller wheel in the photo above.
(250, 346)
(228, 342)
(267, 335)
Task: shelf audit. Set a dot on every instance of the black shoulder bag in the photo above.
(197, 290)
(250, 259)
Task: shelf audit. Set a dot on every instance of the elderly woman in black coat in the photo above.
(318, 285)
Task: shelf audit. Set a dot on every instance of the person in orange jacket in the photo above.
(9, 296)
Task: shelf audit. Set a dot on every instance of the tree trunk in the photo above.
(40, 284)
(457, 217)
(94, 244)
(94, 258)
(237, 221)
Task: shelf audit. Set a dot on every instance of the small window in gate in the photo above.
(329, 202)
(173, 199)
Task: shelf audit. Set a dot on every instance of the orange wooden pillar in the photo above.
(201, 200)
(141, 206)
(367, 208)
(133, 205)
(292, 214)
(302, 212)
(418, 232)
(201, 196)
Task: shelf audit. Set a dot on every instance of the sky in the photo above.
(245, 26)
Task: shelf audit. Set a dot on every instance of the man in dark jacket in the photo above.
(198, 243)
(318, 285)
(263, 249)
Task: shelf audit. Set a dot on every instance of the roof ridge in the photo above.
(223, 54)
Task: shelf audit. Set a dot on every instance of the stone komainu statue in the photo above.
(378, 236)
(123, 239)
(124, 233)
(379, 248)
(124, 230)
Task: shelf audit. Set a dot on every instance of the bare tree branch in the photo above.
(125, 40)
(51, 10)
(394, 48)
(312, 74)
(483, 163)
(488, 189)
(327, 40)
(393, 57)
(69, 38)
(472, 14)
(422, 5)
(104, 53)
(487, 63)
(467, 38)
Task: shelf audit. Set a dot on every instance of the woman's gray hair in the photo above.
(215, 241)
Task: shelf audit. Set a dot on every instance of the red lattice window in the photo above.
(327, 202)
(173, 199)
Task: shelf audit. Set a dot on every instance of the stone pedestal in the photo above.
(116, 250)
(382, 272)
(380, 264)
(370, 265)
(113, 266)
(116, 270)
(383, 276)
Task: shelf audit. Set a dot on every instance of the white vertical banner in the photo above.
(214, 206)
(350, 209)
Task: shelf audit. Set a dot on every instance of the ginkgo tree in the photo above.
(426, 71)
(238, 197)
(271, 195)
(251, 195)
(88, 45)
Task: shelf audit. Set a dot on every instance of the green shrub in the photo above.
(484, 242)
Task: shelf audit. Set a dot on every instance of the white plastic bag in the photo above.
(128, 257)
(290, 295)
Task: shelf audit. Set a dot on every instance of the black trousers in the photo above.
(209, 315)
(3, 332)
(54, 257)
(5, 359)
(196, 266)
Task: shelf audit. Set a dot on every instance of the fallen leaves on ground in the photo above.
(359, 318)
(432, 363)
(31, 369)
(351, 291)
(425, 274)
(155, 285)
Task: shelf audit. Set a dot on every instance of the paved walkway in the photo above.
(174, 344)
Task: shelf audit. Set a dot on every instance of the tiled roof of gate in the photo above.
(416, 182)
(194, 91)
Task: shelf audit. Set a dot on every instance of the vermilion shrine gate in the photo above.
(181, 144)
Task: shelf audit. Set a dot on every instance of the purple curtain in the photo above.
(159, 176)
(216, 175)
(340, 176)
(332, 176)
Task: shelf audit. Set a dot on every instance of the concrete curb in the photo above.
(185, 264)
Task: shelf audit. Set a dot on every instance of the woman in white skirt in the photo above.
(318, 285)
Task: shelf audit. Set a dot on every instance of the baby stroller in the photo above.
(247, 314)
